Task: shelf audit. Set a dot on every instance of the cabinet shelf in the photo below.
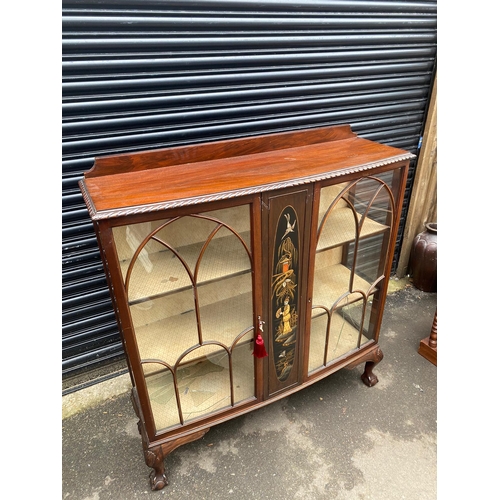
(161, 273)
(168, 338)
(333, 282)
(344, 230)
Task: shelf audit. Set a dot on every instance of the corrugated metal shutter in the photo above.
(149, 74)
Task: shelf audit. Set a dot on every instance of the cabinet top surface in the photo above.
(145, 187)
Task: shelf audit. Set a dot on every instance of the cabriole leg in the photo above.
(368, 377)
(155, 459)
(155, 456)
(372, 358)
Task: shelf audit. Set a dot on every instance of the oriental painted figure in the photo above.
(284, 292)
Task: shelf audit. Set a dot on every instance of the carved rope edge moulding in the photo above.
(154, 207)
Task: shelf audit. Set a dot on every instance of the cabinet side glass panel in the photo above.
(189, 285)
(354, 226)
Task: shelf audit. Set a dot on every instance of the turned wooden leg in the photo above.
(433, 337)
(428, 346)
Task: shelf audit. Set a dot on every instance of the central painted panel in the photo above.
(284, 292)
(284, 229)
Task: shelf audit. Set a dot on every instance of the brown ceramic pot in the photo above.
(423, 259)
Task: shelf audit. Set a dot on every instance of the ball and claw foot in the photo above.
(157, 480)
(371, 358)
(368, 377)
(157, 477)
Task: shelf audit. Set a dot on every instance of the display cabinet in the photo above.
(244, 270)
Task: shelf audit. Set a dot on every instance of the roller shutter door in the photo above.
(140, 75)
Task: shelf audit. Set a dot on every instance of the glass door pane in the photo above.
(189, 285)
(354, 228)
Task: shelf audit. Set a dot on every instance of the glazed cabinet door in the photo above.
(189, 289)
(354, 234)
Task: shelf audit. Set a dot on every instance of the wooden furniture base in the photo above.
(428, 346)
(155, 454)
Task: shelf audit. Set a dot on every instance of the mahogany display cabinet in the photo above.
(242, 271)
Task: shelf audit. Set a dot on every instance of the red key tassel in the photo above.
(259, 349)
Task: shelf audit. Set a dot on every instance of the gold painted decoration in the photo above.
(284, 292)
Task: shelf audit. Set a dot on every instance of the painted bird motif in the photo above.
(289, 227)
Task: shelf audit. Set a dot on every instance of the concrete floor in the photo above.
(337, 439)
